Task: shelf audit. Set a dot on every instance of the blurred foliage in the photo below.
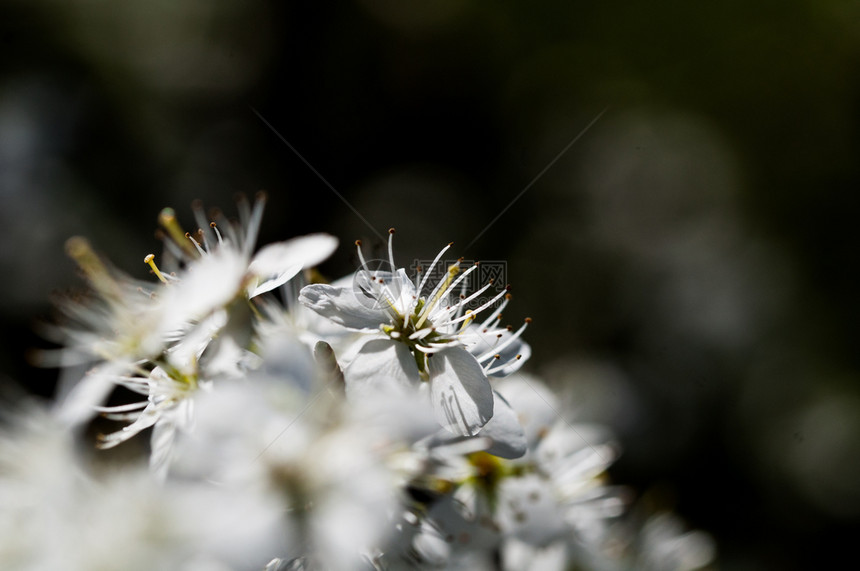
(688, 262)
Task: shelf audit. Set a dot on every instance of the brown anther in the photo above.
(519, 357)
(528, 319)
(508, 287)
(509, 327)
(498, 335)
(188, 234)
(391, 230)
(508, 296)
(212, 225)
(261, 195)
(497, 356)
(450, 243)
(477, 263)
(492, 280)
(462, 296)
(358, 242)
(460, 259)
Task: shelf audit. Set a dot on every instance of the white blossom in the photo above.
(415, 335)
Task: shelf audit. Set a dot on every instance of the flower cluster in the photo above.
(378, 421)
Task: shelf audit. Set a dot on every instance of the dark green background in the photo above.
(690, 262)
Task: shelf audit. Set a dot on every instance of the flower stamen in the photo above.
(150, 260)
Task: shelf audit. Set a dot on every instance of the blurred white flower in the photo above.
(328, 473)
(195, 326)
(665, 545)
(56, 514)
(555, 493)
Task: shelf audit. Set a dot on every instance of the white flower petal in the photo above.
(461, 394)
(276, 264)
(256, 286)
(382, 365)
(302, 252)
(92, 390)
(504, 429)
(340, 305)
(210, 283)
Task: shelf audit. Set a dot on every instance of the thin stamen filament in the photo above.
(438, 293)
(506, 342)
(430, 270)
(476, 311)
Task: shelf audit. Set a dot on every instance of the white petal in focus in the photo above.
(340, 305)
(461, 394)
(382, 365)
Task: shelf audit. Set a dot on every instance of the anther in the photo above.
(391, 230)
(261, 196)
(528, 319)
(509, 327)
(358, 242)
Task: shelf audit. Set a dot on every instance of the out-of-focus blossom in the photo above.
(194, 326)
